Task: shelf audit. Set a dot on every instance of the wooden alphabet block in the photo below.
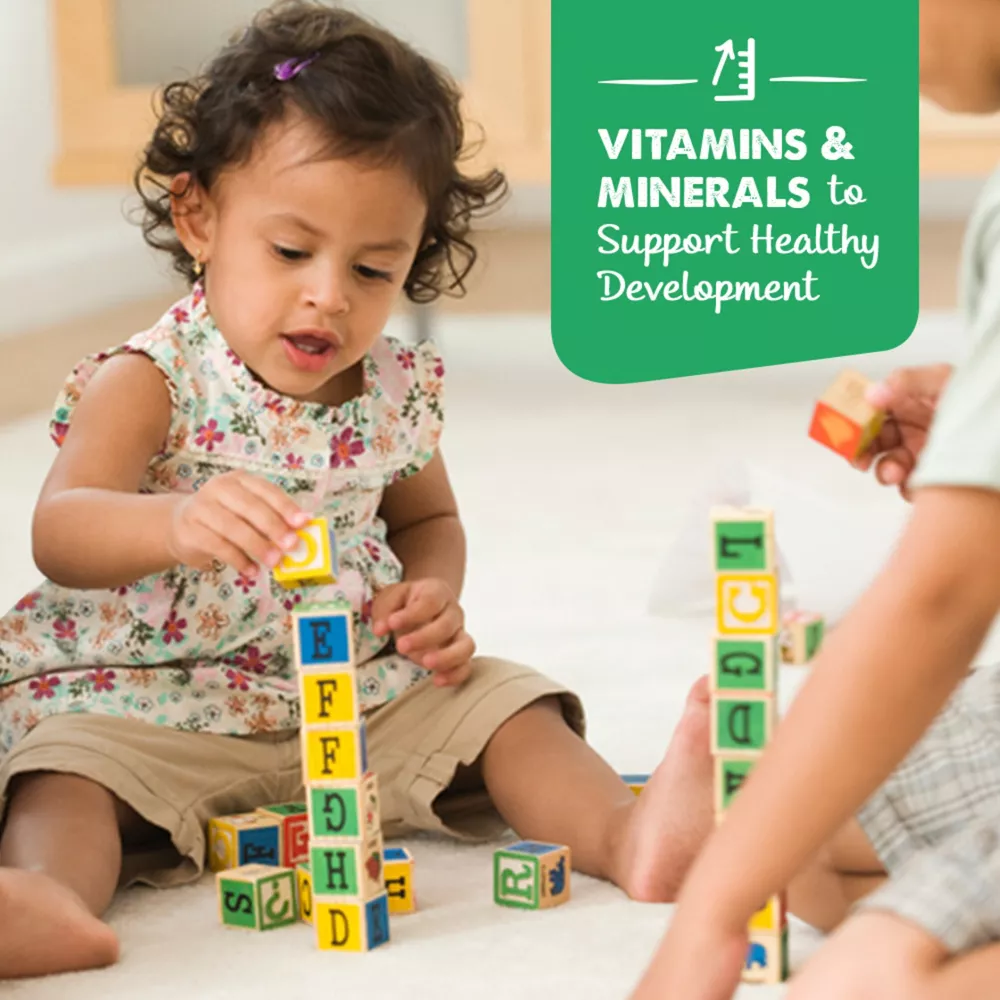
(347, 868)
(637, 782)
(743, 540)
(843, 421)
(771, 918)
(742, 723)
(398, 874)
(335, 753)
(351, 924)
(329, 697)
(767, 958)
(243, 839)
(314, 558)
(257, 897)
(744, 663)
(531, 876)
(345, 810)
(304, 878)
(324, 638)
(801, 636)
(294, 825)
(747, 604)
(730, 773)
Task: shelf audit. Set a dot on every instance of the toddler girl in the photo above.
(305, 180)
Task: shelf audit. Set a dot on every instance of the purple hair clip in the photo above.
(290, 68)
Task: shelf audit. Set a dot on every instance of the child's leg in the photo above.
(549, 785)
(60, 857)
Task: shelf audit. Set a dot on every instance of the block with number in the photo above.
(335, 753)
(398, 876)
(294, 821)
(801, 636)
(257, 897)
(314, 558)
(843, 420)
(730, 773)
(347, 868)
(304, 878)
(636, 782)
(742, 722)
(743, 540)
(350, 924)
(350, 809)
(747, 663)
(767, 958)
(329, 697)
(531, 876)
(747, 603)
(243, 839)
(324, 638)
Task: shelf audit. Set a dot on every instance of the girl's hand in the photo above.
(910, 397)
(429, 626)
(236, 519)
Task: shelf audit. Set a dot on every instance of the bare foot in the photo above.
(660, 834)
(45, 928)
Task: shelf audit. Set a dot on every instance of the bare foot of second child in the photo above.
(46, 928)
(670, 821)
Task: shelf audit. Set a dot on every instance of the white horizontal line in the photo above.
(649, 83)
(817, 79)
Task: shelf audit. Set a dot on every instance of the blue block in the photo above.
(260, 846)
(377, 915)
(533, 847)
(394, 854)
(324, 639)
(363, 738)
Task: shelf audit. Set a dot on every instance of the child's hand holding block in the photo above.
(843, 420)
(313, 560)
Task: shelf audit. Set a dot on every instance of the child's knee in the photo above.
(38, 791)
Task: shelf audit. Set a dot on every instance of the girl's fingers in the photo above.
(237, 532)
(434, 635)
(455, 658)
(277, 499)
(213, 546)
(257, 512)
(894, 468)
(424, 605)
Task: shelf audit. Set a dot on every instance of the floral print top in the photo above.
(210, 651)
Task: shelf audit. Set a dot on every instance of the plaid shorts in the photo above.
(935, 824)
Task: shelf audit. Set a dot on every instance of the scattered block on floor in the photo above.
(730, 773)
(801, 636)
(843, 421)
(294, 826)
(743, 722)
(257, 897)
(531, 875)
(637, 782)
(744, 663)
(347, 868)
(304, 878)
(243, 839)
(747, 604)
(398, 874)
(743, 540)
(345, 809)
(351, 924)
(314, 558)
(767, 958)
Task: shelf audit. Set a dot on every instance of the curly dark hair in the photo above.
(374, 97)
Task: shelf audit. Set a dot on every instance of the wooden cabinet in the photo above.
(103, 122)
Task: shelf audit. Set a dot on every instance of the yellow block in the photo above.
(312, 560)
(747, 603)
(338, 753)
(329, 698)
(770, 918)
(350, 925)
(398, 878)
(304, 878)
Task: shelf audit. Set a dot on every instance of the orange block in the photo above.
(835, 431)
(843, 420)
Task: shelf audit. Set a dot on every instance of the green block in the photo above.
(741, 724)
(732, 774)
(741, 545)
(238, 903)
(334, 812)
(287, 809)
(814, 638)
(335, 870)
(515, 880)
(744, 664)
(277, 900)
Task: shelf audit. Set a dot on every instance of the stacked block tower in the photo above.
(349, 906)
(744, 691)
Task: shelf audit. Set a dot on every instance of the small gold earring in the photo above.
(198, 267)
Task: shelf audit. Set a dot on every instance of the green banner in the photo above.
(733, 184)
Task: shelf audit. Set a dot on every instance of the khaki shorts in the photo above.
(424, 747)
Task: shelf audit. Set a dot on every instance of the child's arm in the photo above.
(424, 530)
(877, 685)
(92, 529)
